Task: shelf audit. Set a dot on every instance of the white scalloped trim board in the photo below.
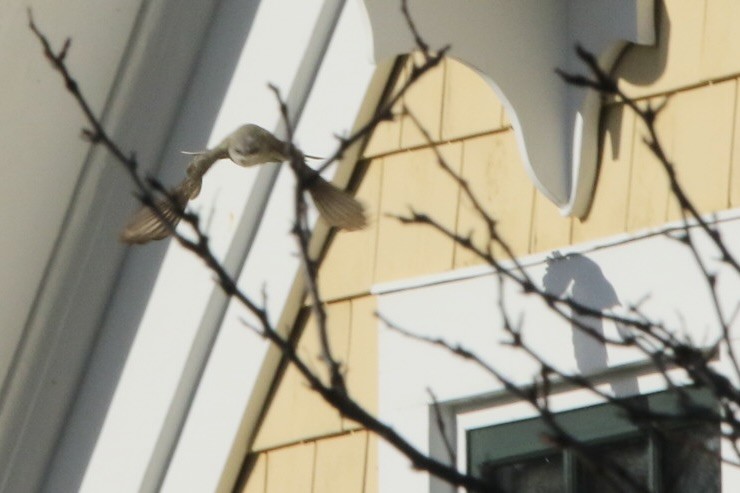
(516, 46)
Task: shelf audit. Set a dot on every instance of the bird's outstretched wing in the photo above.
(249, 145)
(147, 225)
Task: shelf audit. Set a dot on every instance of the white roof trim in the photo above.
(64, 321)
(482, 270)
(516, 46)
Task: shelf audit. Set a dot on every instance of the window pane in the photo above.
(620, 466)
(691, 462)
(538, 475)
(516, 457)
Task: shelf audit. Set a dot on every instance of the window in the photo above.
(677, 458)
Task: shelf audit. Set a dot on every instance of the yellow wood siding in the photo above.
(349, 266)
(362, 357)
(425, 102)
(721, 43)
(734, 184)
(291, 469)
(676, 60)
(341, 463)
(337, 464)
(413, 179)
(549, 228)
(257, 477)
(648, 193)
(304, 444)
(702, 144)
(494, 172)
(469, 104)
(611, 197)
(297, 413)
(697, 129)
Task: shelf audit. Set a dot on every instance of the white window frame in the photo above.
(470, 398)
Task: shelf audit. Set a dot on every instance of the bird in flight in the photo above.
(249, 145)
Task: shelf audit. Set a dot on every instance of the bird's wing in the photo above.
(147, 225)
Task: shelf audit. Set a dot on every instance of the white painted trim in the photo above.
(516, 46)
(539, 258)
(64, 320)
(653, 270)
(560, 401)
(237, 253)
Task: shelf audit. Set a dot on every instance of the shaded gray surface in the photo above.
(186, 77)
(583, 279)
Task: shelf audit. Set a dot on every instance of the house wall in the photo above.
(305, 446)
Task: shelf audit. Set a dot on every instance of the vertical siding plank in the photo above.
(283, 425)
(386, 138)
(721, 48)
(734, 185)
(257, 482)
(371, 465)
(505, 118)
(414, 179)
(349, 264)
(649, 193)
(550, 230)
(608, 214)
(493, 169)
(291, 469)
(424, 101)
(362, 360)
(703, 144)
(470, 104)
(387, 135)
(340, 464)
(675, 60)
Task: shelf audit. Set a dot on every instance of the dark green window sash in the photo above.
(604, 425)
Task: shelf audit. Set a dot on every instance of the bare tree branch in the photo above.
(661, 345)
(335, 393)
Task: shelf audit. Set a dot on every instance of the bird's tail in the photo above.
(337, 207)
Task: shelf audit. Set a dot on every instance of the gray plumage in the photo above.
(249, 145)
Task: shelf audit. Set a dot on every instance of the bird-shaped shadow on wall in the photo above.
(583, 280)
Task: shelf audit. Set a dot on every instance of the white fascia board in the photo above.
(116, 56)
(654, 271)
(195, 97)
